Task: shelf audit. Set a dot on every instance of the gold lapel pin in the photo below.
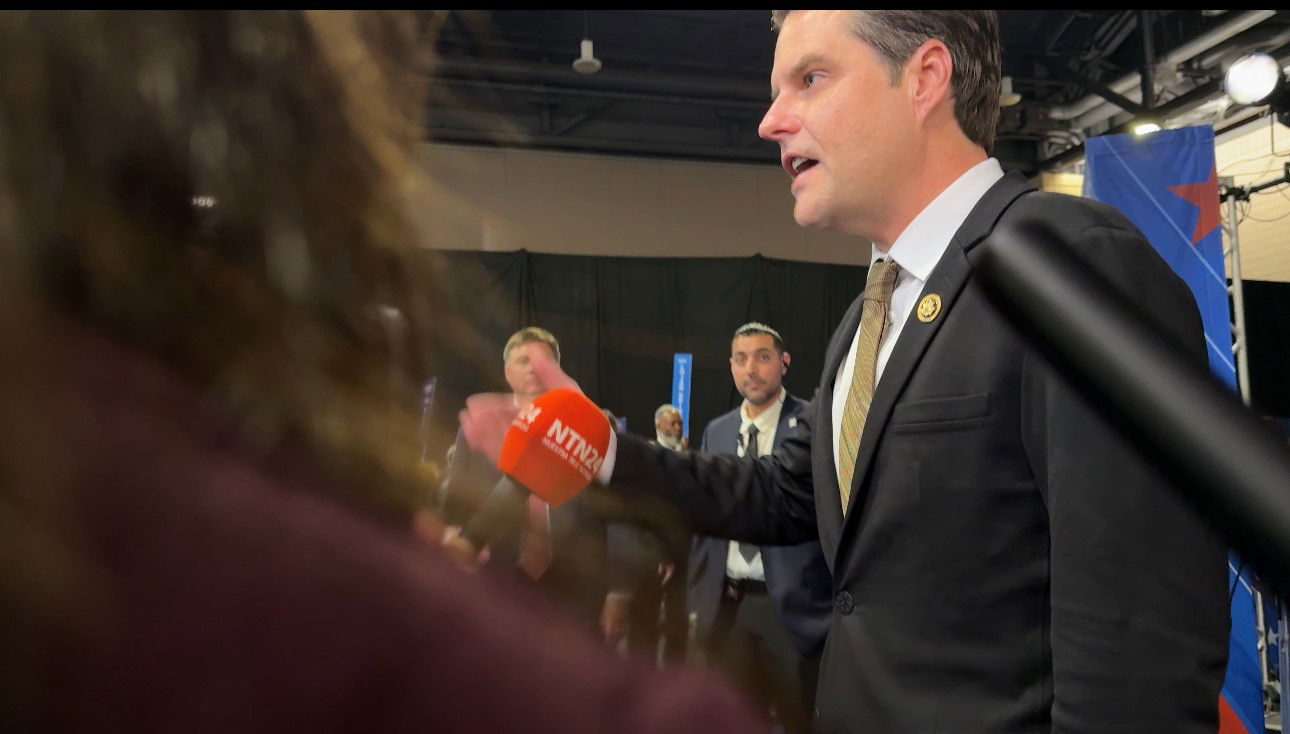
(929, 308)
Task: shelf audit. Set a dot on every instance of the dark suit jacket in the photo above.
(1008, 562)
(579, 571)
(796, 575)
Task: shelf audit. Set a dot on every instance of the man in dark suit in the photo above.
(762, 612)
(1002, 560)
(562, 549)
(646, 603)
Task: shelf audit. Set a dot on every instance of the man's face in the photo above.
(520, 376)
(841, 126)
(758, 368)
(669, 424)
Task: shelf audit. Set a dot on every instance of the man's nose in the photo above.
(779, 122)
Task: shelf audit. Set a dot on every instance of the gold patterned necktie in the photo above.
(873, 324)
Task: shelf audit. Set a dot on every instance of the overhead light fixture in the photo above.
(587, 63)
(1007, 97)
(1253, 80)
(1146, 127)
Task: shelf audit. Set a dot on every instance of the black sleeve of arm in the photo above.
(457, 497)
(632, 557)
(769, 501)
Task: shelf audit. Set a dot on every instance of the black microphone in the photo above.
(502, 513)
(1223, 459)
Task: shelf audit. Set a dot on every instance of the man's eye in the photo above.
(810, 78)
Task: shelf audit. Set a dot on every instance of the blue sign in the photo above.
(681, 368)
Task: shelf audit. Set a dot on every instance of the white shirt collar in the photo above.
(920, 246)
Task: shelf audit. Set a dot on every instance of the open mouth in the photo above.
(799, 164)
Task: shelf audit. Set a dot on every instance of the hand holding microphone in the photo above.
(488, 416)
(552, 449)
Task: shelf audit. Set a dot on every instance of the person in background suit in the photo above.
(1002, 560)
(646, 603)
(762, 612)
(562, 548)
(673, 540)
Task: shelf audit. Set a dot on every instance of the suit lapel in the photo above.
(788, 415)
(730, 443)
(946, 280)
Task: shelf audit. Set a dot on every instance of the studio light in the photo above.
(1007, 97)
(1253, 79)
(1146, 127)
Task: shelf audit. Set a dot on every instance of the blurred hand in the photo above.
(488, 415)
(484, 422)
(665, 571)
(614, 619)
(462, 551)
(685, 442)
(552, 377)
(427, 526)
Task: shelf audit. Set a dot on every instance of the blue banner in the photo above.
(681, 367)
(1167, 185)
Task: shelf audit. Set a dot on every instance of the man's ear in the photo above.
(786, 357)
(929, 72)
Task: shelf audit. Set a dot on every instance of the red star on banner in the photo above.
(1204, 196)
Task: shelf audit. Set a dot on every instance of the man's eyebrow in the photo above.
(799, 68)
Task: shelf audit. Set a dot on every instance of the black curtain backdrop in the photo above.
(620, 319)
(1267, 326)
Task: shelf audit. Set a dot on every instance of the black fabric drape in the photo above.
(1267, 325)
(620, 319)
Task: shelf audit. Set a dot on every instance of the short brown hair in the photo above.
(972, 36)
(531, 334)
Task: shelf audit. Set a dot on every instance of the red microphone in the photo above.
(556, 445)
(553, 449)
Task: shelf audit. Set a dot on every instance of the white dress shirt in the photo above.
(737, 567)
(916, 251)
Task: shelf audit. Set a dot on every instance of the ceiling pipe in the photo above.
(611, 79)
(1093, 109)
(1263, 37)
(545, 90)
(763, 155)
